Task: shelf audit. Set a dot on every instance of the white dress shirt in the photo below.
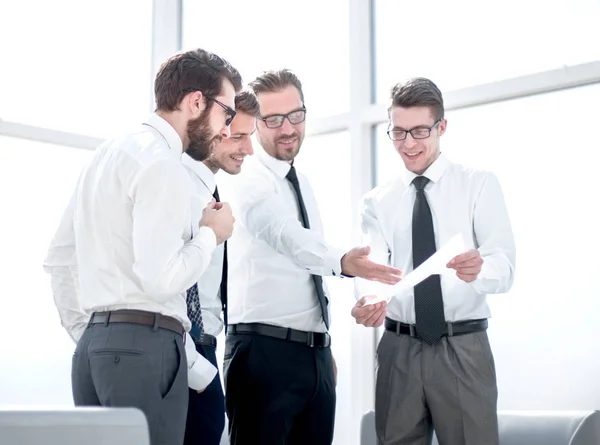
(125, 238)
(209, 286)
(462, 200)
(271, 255)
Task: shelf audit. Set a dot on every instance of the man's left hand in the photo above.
(467, 265)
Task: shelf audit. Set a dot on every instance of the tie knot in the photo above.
(420, 182)
(292, 176)
(216, 195)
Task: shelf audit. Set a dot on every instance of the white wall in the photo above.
(36, 181)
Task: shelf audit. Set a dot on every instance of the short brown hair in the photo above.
(276, 80)
(418, 92)
(246, 102)
(194, 70)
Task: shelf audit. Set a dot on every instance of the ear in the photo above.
(442, 127)
(193, 104)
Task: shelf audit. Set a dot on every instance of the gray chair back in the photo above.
(73, 426)
(522, 427)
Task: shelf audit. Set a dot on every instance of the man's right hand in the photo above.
(356, 263)
(218, 216)
(369, 315)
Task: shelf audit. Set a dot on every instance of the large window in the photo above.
(310, 38)
(543, 152)
(77, 66)
(36, 182)
(325, 161)
(462, 43)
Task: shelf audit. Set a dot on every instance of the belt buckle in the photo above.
(311, 339)
(412, 331)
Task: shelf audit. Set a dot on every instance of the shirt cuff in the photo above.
(205, 238)
(332, 263)
(76, 332)
(200, 371)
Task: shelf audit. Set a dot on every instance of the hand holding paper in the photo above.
(367, 313)
(450, 255)
(467, 265)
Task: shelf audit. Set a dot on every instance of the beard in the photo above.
(201, 139)
(288, 154)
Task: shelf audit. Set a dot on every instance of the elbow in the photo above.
(160, 287)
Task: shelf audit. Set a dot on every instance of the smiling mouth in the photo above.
(412, 154)
(237, 158)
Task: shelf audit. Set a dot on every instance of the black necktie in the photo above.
(318, 280)
(224, 275)
(429, 305)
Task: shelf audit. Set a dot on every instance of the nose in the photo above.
(225, 132)
(409, 142)
(287, 127)
(247, 147)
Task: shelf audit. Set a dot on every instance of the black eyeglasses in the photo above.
(416, 133)
(228, 110)
(276, 120)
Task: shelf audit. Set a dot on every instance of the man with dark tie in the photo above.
(206, 410)
(435, 366)
(279, 371)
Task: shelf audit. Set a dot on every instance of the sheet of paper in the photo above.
(435, 264)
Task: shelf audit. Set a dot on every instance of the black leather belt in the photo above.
(456, 328)
(137, 317)
(205, 340)
(312, 339)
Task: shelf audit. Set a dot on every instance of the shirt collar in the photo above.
(202, 171)
(167, 131)
(434, 172)
(280, 168)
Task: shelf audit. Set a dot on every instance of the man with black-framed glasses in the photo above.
(279, 371)
(129, 248)
(435, 365)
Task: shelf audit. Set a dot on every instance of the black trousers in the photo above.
(206, 410)
(278, 392)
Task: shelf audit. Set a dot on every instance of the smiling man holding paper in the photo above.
(447, 226)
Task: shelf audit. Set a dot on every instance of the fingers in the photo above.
(384, 274)
(471, 257)
(373, 319)
(212, 204)
(380, 320)
(368, 315)
(469, 270)
(467, 278)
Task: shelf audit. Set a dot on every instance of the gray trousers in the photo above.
(450, 386)
(131, 365)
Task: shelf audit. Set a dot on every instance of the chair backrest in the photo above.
(73, 426)
(549, 427)
(527, 427)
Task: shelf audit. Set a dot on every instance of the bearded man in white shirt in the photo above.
(206, 410)
(435, 366)
(279, 371)
(129, 248)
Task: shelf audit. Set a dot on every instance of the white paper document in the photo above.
(435, 264)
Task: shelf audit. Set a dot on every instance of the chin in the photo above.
(232, 170)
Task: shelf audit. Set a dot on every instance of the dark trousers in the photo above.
(206, 410)
(131, 365)
(278, 392)
(449, 387)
